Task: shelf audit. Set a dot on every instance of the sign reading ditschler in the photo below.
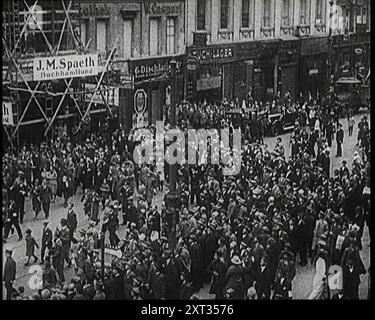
(70, 66)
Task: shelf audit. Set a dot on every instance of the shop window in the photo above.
(320, 12)
(128, 38)
(304, 17)
(224, 14)
(101, 36)
(171, 36)
(287, 13)
(154, 37)
(247, 14)
(201, 14)
(267, 14)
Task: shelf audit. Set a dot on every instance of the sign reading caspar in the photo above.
(70, 66)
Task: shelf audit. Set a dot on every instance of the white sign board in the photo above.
(70, 66)
(110, 95)
(7, 113)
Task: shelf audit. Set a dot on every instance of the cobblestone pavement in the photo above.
(302, 283)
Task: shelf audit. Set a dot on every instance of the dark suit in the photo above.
(57, 260)
(173, 284)
(46, 241)
(158, 286)
(263, 284)
(282, 289)
(45, 198)
(339, 140)
(351, 281)
(337, 297)
(71, 221)
(9, 276)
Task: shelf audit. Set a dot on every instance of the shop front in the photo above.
(313, 70)
(268, 70)
(351, 55)
(246, 70)
(149, 99)
(289, 51)
(213, 78)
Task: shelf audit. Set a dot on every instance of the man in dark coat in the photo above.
(11, 219)
(20, 189)
(339, 140)
(263, 281)
(9, 274)
(71, 221)
(45, 198)
(46, 240)
(218, 270)
(196, 262)
(57, 257)
(351, 280)
(173, 284)
(65, 240)
(158, 285)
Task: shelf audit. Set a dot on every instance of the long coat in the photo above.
(30, 245)
(9, 271)
(173, 284)
(218, 279)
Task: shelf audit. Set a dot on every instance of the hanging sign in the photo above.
(70, 66)
(7, 114)
(140, 101)
(111, 95)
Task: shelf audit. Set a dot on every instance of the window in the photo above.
(84, 32)
(320, 12)
(245, 13)
(304, 12)
(128, 37)
(267, 13)
(154, 37)
(224, 14)
(201, 14)
(286, 13)
(361, 15)
(101, 36)
(171, 34)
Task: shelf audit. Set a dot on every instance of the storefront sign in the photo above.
(248, 50)
(111, 95)
(95, 11)
(162, 8)
(214, 54)
(314, 46)
(7, 114)
(209, 83)
(70, 66)
(140, 101)
(152, 68)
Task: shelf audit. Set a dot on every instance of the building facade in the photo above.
(147, 35)
(264, 46)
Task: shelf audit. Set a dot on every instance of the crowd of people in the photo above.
(243, 235)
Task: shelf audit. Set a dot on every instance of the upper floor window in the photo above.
(84, 31)
(320, 12)
(267, 14)
(128, 38)
(224, 14)
(247, 14)
(154, 37)
(171, 36)
(201, 14)
(304, 17)
(287, 13)
(101, 36)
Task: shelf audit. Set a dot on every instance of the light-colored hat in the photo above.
(236, 260)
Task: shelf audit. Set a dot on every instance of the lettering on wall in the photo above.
(95, 11)
(162, 8)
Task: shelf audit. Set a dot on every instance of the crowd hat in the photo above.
(236, 260)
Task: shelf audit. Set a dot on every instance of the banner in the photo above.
(7, 114)
(111, 95)
(70, 66)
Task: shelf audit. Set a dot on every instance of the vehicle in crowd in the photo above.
(352, 93)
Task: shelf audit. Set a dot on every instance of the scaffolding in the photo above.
(27, 36)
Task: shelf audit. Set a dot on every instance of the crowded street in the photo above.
(186, 150)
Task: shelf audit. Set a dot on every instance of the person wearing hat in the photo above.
(57, 256)
(9, 275)
(234, 278)
(71, 221)
(20, 190)
(45, 197)
(339, 140)
(11, 215)
(351, 278)
(217, 269)
(65, 240)
(30, 247)
(196, 257)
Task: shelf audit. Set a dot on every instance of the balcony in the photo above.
(287, 30)
(246, 34)
(225, 36)
(303, 31)
(267, 32)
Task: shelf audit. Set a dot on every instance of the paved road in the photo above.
(302, 284)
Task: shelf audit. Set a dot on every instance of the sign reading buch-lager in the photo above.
(70, 66)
